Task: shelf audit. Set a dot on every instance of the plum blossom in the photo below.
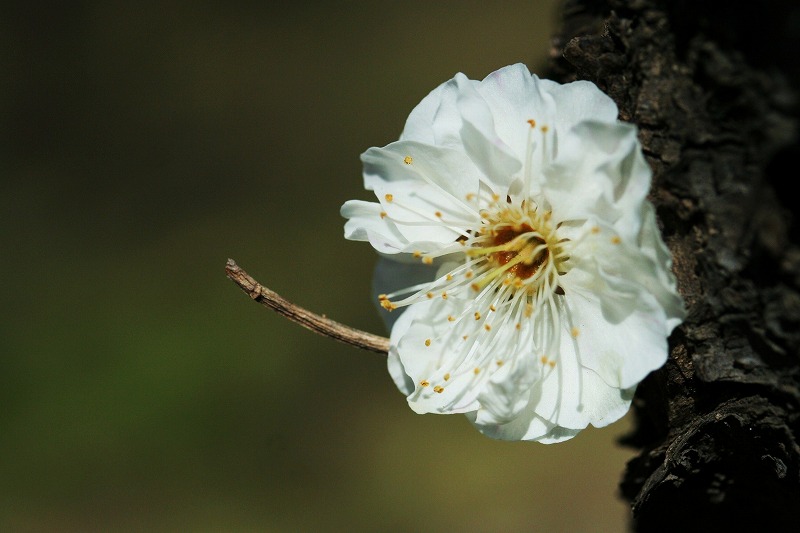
(535, 290)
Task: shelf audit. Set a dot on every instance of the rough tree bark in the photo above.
(712, 87)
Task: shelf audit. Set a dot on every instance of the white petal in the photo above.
(435, 120)
(526, 426)
(616, 310)
(366, 224)
(450, 173)
(620, 337)
(514, 96)
(396, 370)
(573, 397)
(423, 189)
(558, 434)
(413, 207)
(577, 102)
(601, 173)
(661, 281)
(609, 265)
(453, 374)
(481, 141)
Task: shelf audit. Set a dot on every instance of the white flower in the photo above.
(547, 294)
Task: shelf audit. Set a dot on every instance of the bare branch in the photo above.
(307, 319)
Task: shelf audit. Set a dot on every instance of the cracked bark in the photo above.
(714, 94)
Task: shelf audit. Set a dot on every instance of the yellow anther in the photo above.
(477, 371)
(389, 197)
(492, 308)
(528, 310)
(487, 327)
(532, 122)
(468, 274)
(447, 376)
(417, 254)
(424, 383)
(551, 363)
(389, 306)
(427, 260)
(449, 277)
(465, 337)
(596, 230)
(382, 297)
(451, 318)
(477, 315)
(500, 363)
(544, 359)
(438, 214)
(475, 287)
(444, 296)
(495, 197)
(383, 214)
(544, 128)
(408, 160)
(438, 389)
(518, 326)
(615, 239)
(575, 332)
(427, 342)
(429, 295)
(470, 196)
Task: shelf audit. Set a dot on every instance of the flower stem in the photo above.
(319, 324)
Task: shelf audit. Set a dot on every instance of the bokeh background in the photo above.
(143, 144)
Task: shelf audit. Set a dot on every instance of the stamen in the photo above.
(527, 174)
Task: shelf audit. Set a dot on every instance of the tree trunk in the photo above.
(712, 87)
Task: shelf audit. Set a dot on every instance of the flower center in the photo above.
(514, 253)
(520, 247)
(523, 257)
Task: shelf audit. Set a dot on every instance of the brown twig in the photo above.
(307, 319)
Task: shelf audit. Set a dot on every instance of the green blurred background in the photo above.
(140, 390)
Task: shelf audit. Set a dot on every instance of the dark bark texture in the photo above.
(713, 87)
